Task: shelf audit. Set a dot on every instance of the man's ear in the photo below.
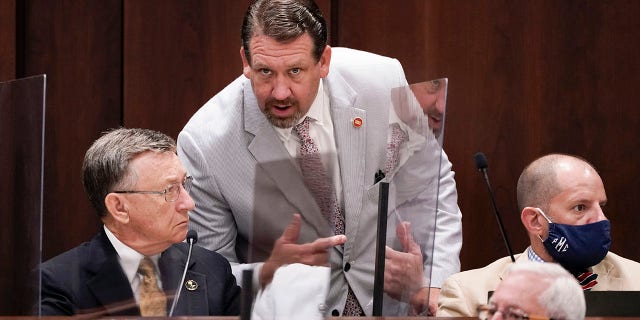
(117, 207)
(532, 221)
(246, 66)
(325, 61)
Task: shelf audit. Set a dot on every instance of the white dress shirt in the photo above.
(129, 260)
(321, 131)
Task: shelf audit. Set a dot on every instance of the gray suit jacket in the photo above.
(246, 186)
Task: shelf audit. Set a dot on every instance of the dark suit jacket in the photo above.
(89, 279)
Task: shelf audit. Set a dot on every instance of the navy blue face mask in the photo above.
(577, 248)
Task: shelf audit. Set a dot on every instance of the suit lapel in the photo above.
(606, 279)
(171, 265)
(190, 302)
(109, 285)
(351, 144)
(523, 257)
(274, 160)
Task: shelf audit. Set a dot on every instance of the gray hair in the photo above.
(564, 297)
(106, 163)
(285, 20)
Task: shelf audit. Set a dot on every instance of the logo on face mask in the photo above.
(577, 248)
(560, 244)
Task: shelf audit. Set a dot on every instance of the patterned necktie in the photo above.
(398, 136)
(316, 178)
(318, 182)
(153, 301)
(587, 280)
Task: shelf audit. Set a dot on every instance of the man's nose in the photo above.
(281, 88)
(598, 215)
(185, 202)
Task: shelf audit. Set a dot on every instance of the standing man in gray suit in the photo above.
(241, 148)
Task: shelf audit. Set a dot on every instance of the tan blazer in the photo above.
(463, 292)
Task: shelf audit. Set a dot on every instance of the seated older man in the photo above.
(140, 190)
(536, 290)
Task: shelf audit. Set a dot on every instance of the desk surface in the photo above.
(330, 318)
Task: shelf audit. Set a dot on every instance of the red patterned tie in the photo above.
(316, 178)
(587, 280)
(319, 183)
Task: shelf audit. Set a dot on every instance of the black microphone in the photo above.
(192, 238)
(481, 164)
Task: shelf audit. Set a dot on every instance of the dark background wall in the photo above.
(526, 78)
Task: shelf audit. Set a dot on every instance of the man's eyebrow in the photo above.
(259, 65)
(173, 179)
(297, 64)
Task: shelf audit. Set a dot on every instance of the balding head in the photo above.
(538, 182)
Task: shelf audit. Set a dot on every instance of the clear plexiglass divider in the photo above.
(394, 138)
(22, 110)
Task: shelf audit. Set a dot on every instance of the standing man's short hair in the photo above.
(285, 20)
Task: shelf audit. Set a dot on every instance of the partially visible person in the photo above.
(431, 96)
(533, 291)
(298, 291)
(561, 199)
(245, 150)
(140, 190)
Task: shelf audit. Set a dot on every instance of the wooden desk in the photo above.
(329, 318)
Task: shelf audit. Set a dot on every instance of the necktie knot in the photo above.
(153, 301)
(307, 145)
(147, 268)
(302, 128)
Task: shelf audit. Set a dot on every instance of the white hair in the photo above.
(564, 297)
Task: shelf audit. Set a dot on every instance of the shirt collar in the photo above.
(128, 258)
(318, 107)
(533, 256)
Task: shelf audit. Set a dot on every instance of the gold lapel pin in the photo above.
(191, 285)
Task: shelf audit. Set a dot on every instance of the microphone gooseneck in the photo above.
(481, 164)
(192, 238)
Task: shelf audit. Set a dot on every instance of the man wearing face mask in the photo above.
(561, 199)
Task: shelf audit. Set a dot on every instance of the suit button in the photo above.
(347, 267)
(335, 312)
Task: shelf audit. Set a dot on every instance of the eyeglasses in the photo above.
(488, 311)
(171, 194)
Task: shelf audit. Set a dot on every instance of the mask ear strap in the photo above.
(543, 215)
(546, 218)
